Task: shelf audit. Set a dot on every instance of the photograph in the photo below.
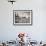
(22, 17)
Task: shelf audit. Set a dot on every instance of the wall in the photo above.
(37, 31)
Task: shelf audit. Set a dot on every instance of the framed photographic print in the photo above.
(22, 17)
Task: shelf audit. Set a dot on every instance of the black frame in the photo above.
(23, 24)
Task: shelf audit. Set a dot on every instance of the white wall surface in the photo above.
(38, 30)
